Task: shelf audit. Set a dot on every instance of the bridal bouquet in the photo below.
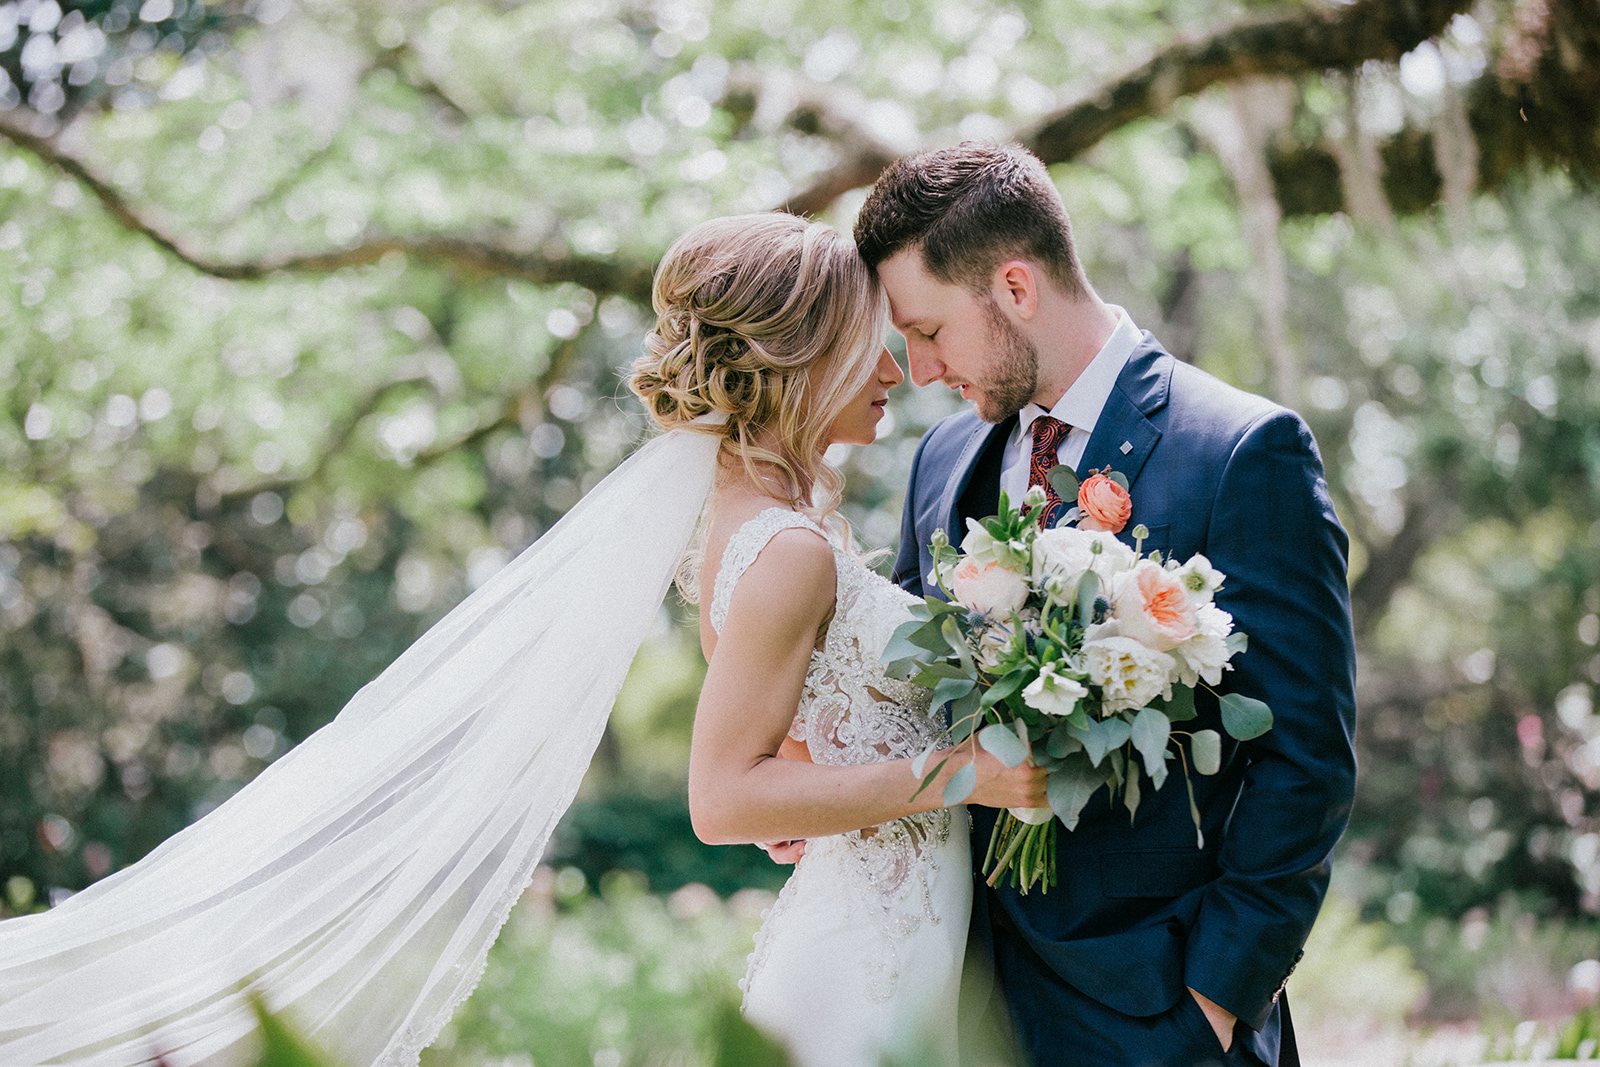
(1065, 646)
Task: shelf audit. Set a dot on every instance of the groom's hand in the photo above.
(1220, 1018)
(784, 851)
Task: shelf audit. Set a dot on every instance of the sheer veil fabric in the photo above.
(357, 883)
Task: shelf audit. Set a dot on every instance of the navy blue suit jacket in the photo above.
(1140, 912)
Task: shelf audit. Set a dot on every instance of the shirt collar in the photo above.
(1080, 406)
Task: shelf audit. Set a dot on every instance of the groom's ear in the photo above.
(1016, 288)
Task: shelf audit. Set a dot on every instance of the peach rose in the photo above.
(1153, 607)
(1103, 504)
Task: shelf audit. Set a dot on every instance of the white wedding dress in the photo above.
(862, 952)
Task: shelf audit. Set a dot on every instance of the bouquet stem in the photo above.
(1027, 854)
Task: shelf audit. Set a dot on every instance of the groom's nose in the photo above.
(925, 368)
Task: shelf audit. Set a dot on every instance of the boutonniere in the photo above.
(1104, 504)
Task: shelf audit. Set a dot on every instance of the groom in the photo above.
(1149, 950)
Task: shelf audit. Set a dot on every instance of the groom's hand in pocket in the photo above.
(1220, 1018)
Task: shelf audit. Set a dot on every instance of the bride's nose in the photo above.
(889, 372)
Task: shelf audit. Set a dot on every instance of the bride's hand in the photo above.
(1000, 786)
(784, 851)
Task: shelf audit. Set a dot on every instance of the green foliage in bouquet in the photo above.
(1038, 653)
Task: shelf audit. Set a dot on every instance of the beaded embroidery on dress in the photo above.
(868, 933)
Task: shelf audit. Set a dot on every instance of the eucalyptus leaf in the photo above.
(1236, 643)
(1102, 736)
(1149, 734)
(900, 645)
(1063, 742)
(1245, 717)
(957, 640)
(1206, 749)
(1194, 813)
(1118, 477)
(1088, 590)
(1064, 480)
(1069, 788)
(1001, 740)
(903, 670)
(1181, 707)
(965, 706)
(920, 763)
(950, 689)
(961, 785)
(1131, 792)
(1007, 685)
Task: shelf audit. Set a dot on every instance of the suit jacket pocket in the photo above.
(1157, 872)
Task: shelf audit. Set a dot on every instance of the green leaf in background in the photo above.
(281, 1046)
(1149, 734)
(739, 1043)
(1245, 717)
(1206, 749)
(1118, 477)
(960, 786)
(1069, 788)
(1002, 740)
(1236, 643)
(1132, 793)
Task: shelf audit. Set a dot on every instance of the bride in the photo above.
(775, 324)
(356, 885)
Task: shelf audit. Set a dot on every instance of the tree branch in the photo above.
(610, 275)
(1321, 38)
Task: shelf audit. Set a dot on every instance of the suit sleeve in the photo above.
(908, 559)
(1274, 535)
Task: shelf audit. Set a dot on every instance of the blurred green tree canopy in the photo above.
(317, 310)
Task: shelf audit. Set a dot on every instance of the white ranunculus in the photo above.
(1200, 579)
(1052, 693)
(1062, 554)
(988, 588)
(1129, 674)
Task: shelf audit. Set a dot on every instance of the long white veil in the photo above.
(357, 883)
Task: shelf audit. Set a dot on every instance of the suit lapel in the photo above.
(1124, 436)
(961, 475)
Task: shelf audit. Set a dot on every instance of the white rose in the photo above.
(988, 588)
(1052, 693)
(1205, 655)
(1200, 579)
(1062, 554)
(1129, 674)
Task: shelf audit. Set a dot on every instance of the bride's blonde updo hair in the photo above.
(773, 323)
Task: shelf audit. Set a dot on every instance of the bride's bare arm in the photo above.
(739, 789)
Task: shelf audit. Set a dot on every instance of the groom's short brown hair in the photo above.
(970, 208)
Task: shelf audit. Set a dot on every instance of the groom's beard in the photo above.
(1013, 372)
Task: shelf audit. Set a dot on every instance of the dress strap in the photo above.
(743, 548)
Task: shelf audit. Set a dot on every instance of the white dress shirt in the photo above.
(1079, 407)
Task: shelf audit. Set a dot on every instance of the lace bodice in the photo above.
(852, 713)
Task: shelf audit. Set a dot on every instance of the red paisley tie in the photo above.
(1048, 433)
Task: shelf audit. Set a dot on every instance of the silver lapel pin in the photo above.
(1127, 446)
